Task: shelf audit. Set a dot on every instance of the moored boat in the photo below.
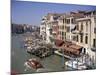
(75, 65)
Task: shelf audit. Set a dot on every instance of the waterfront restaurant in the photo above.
(69, 48)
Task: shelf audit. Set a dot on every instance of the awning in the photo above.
(59, 42)
(68, 46)
(77, 47)
(74, 51)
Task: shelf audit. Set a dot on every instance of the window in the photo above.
(77, 27)
(63, 21)
(86, 39)
(65, 37)
(81, 26)
(62, 33)
(95, 30)
(58, 33)
(62, 27)
(65, 27)
(72, 21)
(68, 29)
(62, 38)
(74, 38)
(77, 38)
(59, 27)
(86, 26)
(81, 38)
(94, 42)
(68, 21)
(94, 20)
(50, 30)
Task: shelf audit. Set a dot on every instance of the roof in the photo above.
(72, 14)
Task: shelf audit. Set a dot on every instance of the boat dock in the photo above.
(58, 53)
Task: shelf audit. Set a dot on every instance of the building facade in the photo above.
(67, 23)
(77, 27)
(85, 33)
(43, 28)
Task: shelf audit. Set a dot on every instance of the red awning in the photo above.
(68, 46)
(59, 43)
(76, 47)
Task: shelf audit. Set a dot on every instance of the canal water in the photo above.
(19, 56)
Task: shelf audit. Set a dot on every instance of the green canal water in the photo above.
(19, 56)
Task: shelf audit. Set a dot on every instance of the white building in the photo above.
(85, 33)
(67, 23)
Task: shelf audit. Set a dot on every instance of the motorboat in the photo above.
(33, 64)
(76, 65)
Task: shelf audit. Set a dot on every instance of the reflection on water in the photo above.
(19, 56)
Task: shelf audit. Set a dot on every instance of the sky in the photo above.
(24, 12)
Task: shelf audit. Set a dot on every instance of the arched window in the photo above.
(81, 37)
(86, 39)
(77, 27)
(77, 38)
(86, 26)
